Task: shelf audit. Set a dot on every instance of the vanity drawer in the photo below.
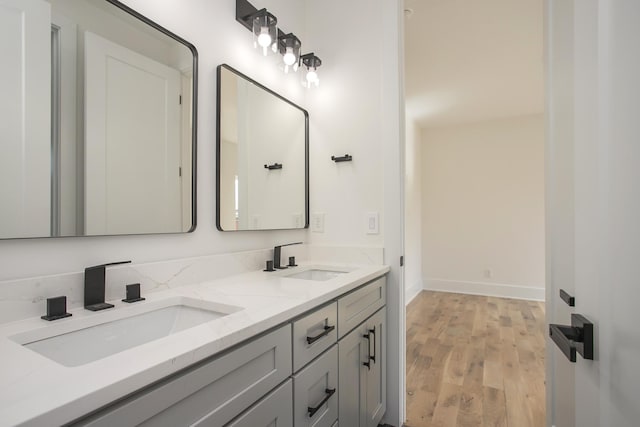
(356, 307)
(274, 410)
(313, 334)
(315, 392)
(210, 394)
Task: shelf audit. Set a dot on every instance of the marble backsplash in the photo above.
(24, 298)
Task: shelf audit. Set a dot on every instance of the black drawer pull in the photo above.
(312, 411)
(575, 338)
(367, 336)
(373, 331)
(571, 301)
(327, 331)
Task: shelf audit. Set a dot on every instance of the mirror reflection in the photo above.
(262, 170)
(97, 132)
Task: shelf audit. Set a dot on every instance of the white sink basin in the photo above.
(316, 274)
(89, 343)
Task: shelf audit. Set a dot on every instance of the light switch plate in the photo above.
(317, 222)
(372, 223)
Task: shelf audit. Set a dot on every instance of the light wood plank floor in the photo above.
(475, 361)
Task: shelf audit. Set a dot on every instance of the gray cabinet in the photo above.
(362, 366)
(315, 391)
(275, 410)
(295, 375)
(355, 307)
(211, 393)
(313, 334)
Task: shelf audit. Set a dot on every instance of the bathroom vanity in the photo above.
(304, 347)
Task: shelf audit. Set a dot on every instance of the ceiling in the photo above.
(473, 60)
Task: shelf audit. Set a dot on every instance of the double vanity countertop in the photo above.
(35, 390)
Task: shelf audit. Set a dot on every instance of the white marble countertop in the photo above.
(36, 391)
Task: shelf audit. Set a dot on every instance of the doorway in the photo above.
(474, 190)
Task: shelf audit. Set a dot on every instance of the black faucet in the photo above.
(276, 255)
(94, 286)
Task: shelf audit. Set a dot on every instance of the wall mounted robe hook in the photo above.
(273, 166)
(345, 158)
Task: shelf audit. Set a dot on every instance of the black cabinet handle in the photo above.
(373, 331)
(367, 336)
(312, 411)
(571, 301)
(327, 330)
(575, 338)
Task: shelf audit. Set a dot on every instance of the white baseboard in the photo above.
(486, 289)
(412, 292)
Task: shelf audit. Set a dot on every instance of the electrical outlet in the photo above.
(317, 222)
(372, 223)
(488, 274)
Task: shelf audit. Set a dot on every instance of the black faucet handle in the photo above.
(133, 293)
(56, 308)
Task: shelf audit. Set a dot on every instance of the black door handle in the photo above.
(325, 332)
(570, 300)
(312, 411)
(575, 338)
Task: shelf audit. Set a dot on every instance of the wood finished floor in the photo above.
(475, 361)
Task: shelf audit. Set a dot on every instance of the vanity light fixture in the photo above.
(290, 46)
(261, 23)
(312, 62)
(268, 37)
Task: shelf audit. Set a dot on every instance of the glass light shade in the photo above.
(312, 77)
(289, 58)
(265, 32)
(312, 63)
(290, 49)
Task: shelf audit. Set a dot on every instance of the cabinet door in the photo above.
(352, 353)
(210, 394)
(355, 307)
(316, 392)
(275, 410)
(376, 377)
(313, 334)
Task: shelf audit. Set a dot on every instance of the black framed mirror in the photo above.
(103, 141)
(262, 157)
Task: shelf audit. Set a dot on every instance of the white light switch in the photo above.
(372, 223)
(317, 222)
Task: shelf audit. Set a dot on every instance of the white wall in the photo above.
(357, 110)
(346, 117)
(483, 207)
(413, 280)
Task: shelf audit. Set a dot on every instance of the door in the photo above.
(593, 203)
(25, 118)
(132, 116)
(352, 353)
